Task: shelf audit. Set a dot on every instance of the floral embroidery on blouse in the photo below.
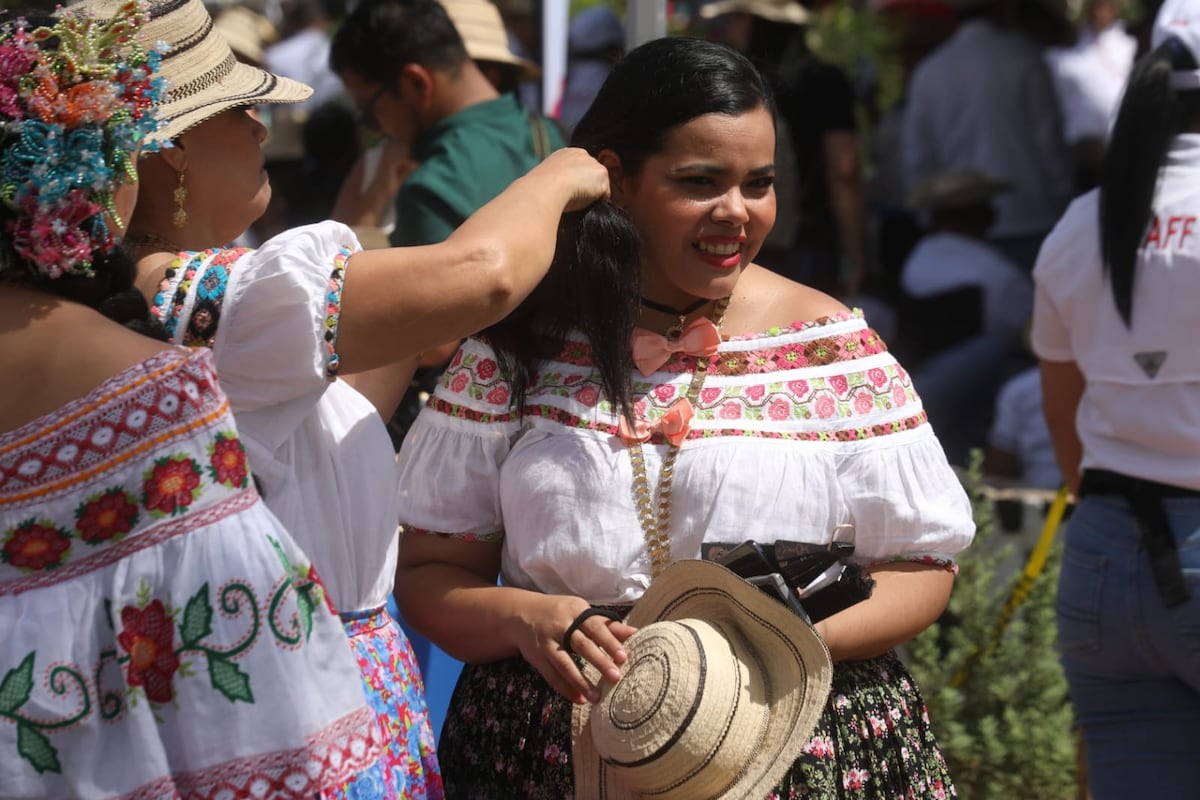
(333, 310)
(209, 271)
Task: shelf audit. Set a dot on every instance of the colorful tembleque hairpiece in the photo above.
(73, 113)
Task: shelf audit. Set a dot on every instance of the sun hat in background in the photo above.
(772, 10)
(955, 189)
(718, 698)
(247, 32)
(204, 75)
(482, 29)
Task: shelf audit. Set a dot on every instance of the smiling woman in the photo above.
(660, 392)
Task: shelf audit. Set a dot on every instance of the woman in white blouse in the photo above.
(778, 411)
(1114, 314)
(286, 320)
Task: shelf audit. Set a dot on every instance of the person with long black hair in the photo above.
(1115, 309)
(659, 391)
(158, 622)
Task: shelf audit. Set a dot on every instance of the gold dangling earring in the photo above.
(181, 216)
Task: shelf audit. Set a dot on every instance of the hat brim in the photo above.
(792, 655)
(528, 71)
(791, 13)
(243, 86)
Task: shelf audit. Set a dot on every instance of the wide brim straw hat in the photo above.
(773, 11)
(204, 75)
(955, 189)
(482, 29)
(722, 689)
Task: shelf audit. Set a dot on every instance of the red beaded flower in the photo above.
(148, 636)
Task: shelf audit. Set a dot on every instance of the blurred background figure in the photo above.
(595, 42)
(303, 50)
(488, 44)
(984, 101)
(1089, 78)
(821, 239)
(248, 32)
(964, 310)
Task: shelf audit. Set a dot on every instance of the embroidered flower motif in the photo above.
(588, 395)
(779, 411)
(839, 384)
(458, 357)
(148, 636)
(486, 369)
(798, 388)
(664, 392)
(172, 486)
(756, 392)
(731, 410)
(320, 585)
(212, 285)
(790, 356)
(760, 361)
(498, 396)
(710, 395)
(227, 462)
(899, 396)
(825, 406)
(34, 545)
(878, 377)
(864, 402)
(459, 382)
(854, 779)
(106, 517)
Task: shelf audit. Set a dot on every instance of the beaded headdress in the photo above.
(76, 102)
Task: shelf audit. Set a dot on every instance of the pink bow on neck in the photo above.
(652, 350)
(673, 425)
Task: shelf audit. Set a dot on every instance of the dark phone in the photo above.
(801, 562)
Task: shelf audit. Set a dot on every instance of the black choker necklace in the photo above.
(679, 312)
(676, 330)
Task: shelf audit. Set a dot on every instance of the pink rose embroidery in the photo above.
(731, 410)
(664, 392)
(486, 369)
(877, 377)
(779, 410)
(710, 395)
(459, 382)
(899, 396)
(825, 406)
(756, 393)
(839, 384)
(498, 396)
(864, 402)
(798, 388)
(588, 395)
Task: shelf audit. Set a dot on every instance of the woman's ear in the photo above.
(616, 176)
(175, 156)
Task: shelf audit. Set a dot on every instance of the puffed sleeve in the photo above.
(905, 501)
(451, 458)
(277, 340)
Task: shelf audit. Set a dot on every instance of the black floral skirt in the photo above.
(507, 734)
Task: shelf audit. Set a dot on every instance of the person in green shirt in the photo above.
(407, 69)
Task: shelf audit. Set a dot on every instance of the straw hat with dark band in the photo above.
(205, 77)
(721, 692)
(479, 24)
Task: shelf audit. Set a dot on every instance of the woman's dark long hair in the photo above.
(110, 290)
(1151, 115)
(593, 284)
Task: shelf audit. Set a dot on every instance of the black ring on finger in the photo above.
(586, 614)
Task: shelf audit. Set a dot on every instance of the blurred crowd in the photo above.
(925, 208)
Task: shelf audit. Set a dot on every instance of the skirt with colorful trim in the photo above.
(507, 734)
(395, 691)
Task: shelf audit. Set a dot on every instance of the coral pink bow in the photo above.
(673, 425)
(651, 350)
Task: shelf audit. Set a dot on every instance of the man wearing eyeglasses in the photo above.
(407, 70)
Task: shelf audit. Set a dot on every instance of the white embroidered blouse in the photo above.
(797, 430)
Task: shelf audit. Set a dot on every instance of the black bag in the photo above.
(818, 578)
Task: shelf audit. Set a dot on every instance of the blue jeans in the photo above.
(1132, 664)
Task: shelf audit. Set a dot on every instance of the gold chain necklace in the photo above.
(654, 511)
(151, 241)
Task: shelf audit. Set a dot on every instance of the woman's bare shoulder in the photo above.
(764, 300)
(61, 351)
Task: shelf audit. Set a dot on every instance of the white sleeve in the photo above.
(451, 457)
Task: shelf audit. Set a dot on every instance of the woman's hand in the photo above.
(544, 621)
(583, 178)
